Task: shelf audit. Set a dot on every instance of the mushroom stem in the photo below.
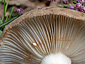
(58, 58)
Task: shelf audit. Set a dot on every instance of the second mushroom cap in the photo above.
(42, 32)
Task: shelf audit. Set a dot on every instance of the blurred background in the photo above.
(27, 5)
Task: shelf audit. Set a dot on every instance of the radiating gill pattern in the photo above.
(34, 38)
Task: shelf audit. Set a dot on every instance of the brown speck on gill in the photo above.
(54, 30)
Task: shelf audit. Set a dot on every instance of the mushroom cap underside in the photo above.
(41, 32)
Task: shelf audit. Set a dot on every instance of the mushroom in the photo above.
(47, 35)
